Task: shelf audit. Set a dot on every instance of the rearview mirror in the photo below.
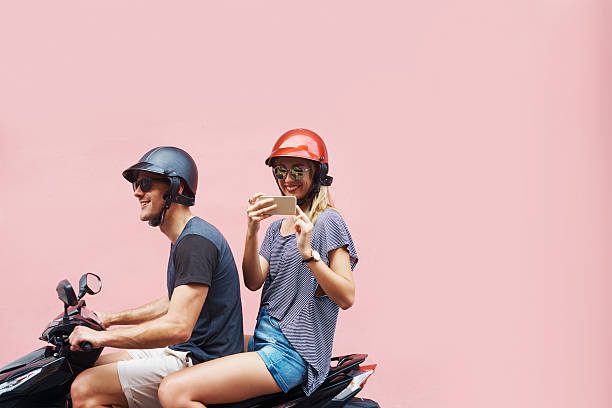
(89, 283)
(66, 293)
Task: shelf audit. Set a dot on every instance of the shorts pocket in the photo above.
(273, 322)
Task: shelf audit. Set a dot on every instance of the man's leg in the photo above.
(132, 382)
(98, 387)
(113, 358)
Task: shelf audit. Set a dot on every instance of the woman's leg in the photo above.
(228, 379)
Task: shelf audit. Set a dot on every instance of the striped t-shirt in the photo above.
(308, 321)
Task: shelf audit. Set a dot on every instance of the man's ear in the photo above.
(181, 187)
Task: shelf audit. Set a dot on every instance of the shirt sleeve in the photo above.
(195, 260)
(266, 245)
(330, 232)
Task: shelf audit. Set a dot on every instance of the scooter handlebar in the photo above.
(86, 346)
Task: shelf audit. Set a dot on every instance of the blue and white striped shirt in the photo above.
(308, 321)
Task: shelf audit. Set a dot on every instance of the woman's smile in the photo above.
(292, 189)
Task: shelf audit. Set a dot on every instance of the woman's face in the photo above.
(289, 185)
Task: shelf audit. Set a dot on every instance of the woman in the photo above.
(305, 266)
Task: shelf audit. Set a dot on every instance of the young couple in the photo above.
(187, 349)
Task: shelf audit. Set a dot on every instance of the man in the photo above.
(200, 319)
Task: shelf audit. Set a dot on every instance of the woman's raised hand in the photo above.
(303, 232)
(257, 209)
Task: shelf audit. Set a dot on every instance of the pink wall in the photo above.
(469, 142)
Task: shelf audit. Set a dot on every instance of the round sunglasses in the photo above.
(146, 183)
(297, 172)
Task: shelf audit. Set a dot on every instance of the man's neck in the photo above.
(177, 217)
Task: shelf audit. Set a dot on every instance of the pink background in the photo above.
(469, 141)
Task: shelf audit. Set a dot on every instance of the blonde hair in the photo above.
(320, 202)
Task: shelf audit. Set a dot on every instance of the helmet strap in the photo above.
(159, 220)
(172, 192)
(311, 194)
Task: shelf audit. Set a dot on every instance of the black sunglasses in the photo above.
(146, 183)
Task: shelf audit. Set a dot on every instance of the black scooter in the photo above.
(42, 378)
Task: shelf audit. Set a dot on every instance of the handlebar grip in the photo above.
(86, 346)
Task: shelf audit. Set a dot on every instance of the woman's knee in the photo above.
(172, 393)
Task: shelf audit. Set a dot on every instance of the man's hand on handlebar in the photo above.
(81, 335)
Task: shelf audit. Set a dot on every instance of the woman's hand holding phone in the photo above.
(257, 211)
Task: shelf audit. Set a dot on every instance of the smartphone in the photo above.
(285, 205)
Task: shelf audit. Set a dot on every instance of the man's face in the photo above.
(152, 201)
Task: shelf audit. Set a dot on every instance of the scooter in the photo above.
(42, 378)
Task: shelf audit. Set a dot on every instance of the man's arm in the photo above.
(173, 327)
(150, 311)
(195, 259)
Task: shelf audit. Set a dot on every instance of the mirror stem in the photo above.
(66, 318)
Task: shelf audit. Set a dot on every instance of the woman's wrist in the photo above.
(305, 252)
(252, 230)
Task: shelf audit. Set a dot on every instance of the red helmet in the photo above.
(305, 144)
(302, 143)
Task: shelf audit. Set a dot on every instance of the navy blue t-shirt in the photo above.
(201, 255)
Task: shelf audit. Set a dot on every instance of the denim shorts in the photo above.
(284, 363)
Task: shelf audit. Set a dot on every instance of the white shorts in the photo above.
(141, 376)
